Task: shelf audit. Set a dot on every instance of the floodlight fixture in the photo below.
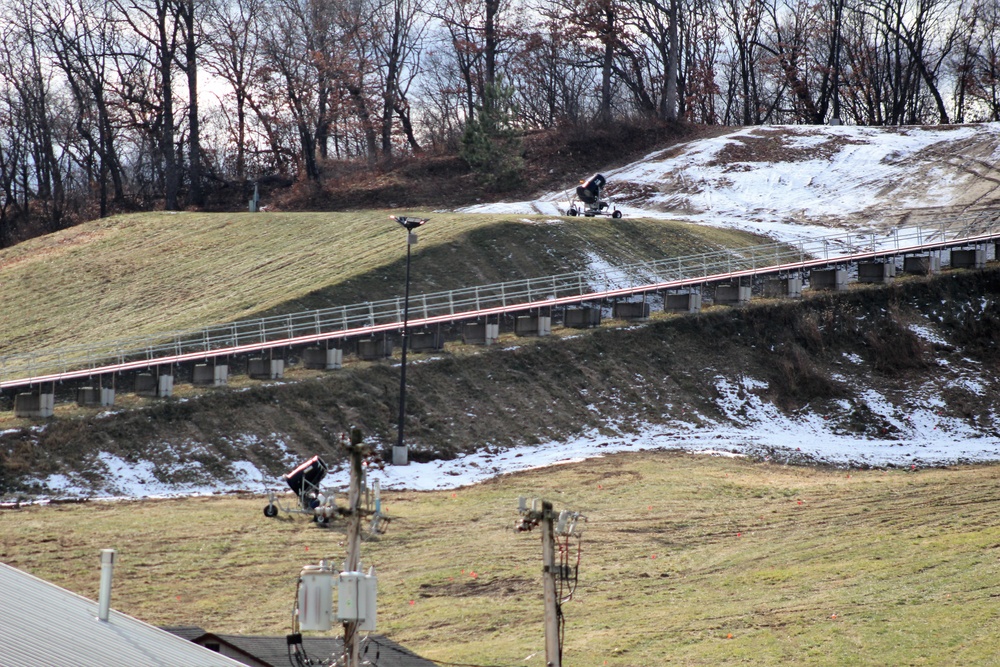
(409, 222)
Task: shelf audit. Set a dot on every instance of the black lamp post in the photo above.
(399, 452)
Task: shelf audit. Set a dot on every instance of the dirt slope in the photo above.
(856, 361)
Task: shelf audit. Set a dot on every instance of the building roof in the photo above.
(188, 632)
(43, 624)
(274, 650)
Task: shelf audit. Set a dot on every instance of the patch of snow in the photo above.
(970, 385)
(849, 176)
(927, 334)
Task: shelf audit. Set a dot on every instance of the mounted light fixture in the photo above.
(400, 456)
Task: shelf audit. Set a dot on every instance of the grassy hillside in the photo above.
(686, 560)
(854, 359)
(157, 272)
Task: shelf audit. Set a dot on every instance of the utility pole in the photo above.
(553, 651)
(542, 514)
(357, 451)
(357, 592)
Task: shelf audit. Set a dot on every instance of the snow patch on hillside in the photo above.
(809, 179)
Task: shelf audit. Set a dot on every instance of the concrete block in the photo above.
(370, 349)
(828, 279)
(327, 359)
(732, 295)
(266, 369)
(87, 396)
(922, 264)
(533, 325)
(968, 259)
(477, 333)
(147, 384)
(631, 310)
(215, 375)
(426, 341)
(95, 396)
(688, 302)
(34, 405)
(582, 318)
(876, 272)
(783, 288)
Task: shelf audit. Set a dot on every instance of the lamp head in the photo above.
(409, 222)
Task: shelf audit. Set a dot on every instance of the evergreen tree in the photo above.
(490, 143)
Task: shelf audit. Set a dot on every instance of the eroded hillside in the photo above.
(913, 366)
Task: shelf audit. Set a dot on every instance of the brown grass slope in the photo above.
(144, 274)
(686, 560)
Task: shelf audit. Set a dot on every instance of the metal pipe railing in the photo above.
(466, 300)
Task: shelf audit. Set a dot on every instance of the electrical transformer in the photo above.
(356, 599)
(316, 598)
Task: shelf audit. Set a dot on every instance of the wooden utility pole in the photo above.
(351, 564)
(553, 650)
(542, 514)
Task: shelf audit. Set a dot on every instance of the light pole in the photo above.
(399, 452)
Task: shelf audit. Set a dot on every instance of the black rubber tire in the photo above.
(572, 212)
(616, 214)
(270, 511)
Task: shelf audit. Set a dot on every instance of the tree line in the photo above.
(110, 105)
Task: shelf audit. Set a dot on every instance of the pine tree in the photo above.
(490, 143)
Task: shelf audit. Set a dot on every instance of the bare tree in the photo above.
(297, 49)
(552, 87)
(30, 105)
(353, 68)
(82, 36)
(701, 41)
(913, 25)
(984, 80)
(743, 20)
(191, 35)
(479, 33)
(399, 28)
(232, 54)
(156, 23)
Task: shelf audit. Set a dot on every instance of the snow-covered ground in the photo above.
(789, 181)
(922, 437)
(784, 182)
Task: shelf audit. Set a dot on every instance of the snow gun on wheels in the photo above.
(589, 201)
(304, 482)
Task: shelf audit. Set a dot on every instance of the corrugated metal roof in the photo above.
(43, 624)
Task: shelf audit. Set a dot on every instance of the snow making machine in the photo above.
(589, 201)
(321, 504)
(304, 482)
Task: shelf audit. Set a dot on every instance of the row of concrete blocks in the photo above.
(881, 272)
(147, 384)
